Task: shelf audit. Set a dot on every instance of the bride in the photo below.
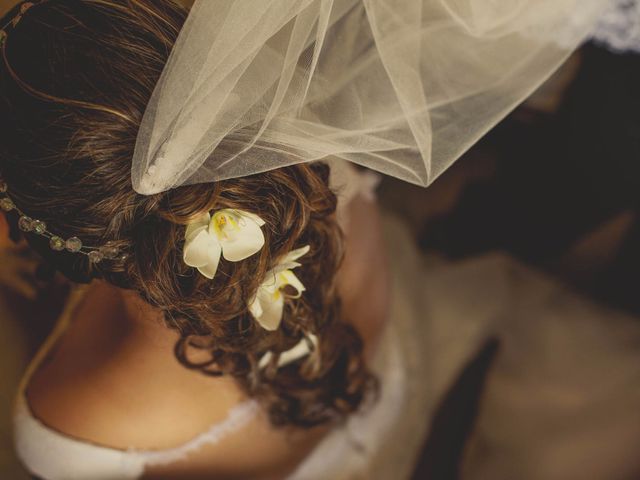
(233, 314)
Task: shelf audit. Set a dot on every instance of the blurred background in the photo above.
(532, 240)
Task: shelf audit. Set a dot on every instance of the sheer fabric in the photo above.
(619, 27)
(400, 86)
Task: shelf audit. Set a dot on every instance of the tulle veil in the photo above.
(403, 87)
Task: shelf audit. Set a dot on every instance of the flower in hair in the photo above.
(303, 348)
(268, 303)
(234, 234)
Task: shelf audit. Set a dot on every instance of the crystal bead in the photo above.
(39, 227)
(25, 6)
(74, 244)
(95, 256)
(3, 187)
(108, 252)
(6, 204)
(25, 224)
(57, 244)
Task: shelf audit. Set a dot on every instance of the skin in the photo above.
(108, 379)
(18, 265)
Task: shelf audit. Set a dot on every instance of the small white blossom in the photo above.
(303, 348)
(234, 234)
(268, 304)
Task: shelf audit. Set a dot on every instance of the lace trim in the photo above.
(238, 417)
(619, 28)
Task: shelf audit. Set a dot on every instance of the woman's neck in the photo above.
(131, 318)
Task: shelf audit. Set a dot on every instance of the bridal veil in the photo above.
(403, 87)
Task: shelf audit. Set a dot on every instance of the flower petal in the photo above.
(197, 223)
(264, 361)
(242, 241)
(272, 308)
(270, 283)
(296, 254)
(251, 216)
(300, 350)
(209, 270)
(255, 307)
(289, 278)
(201, 250)
(288, 262)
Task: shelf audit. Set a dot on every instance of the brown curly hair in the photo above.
(74, 82)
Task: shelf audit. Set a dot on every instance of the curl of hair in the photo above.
(75, 78)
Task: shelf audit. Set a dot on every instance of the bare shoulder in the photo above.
(123, 389)
(121, 386)
(96, 407)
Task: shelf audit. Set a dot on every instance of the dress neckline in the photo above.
(237, 416)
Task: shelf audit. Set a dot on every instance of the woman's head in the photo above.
(75, 78)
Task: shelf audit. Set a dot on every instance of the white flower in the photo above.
(268, 304)
(300, 350)
(234, 234)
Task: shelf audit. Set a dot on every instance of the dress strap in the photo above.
(75, 297)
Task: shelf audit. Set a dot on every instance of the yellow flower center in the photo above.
(221, 221)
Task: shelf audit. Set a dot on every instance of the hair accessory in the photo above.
(23, 9)
(56, 243)
(268, 304)
(14, 21)
(303, 348)
(234, 234)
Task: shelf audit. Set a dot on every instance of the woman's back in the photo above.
(104, 382)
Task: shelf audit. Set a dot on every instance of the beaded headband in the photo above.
(38, 227)
(56, 243)
(14, 21)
